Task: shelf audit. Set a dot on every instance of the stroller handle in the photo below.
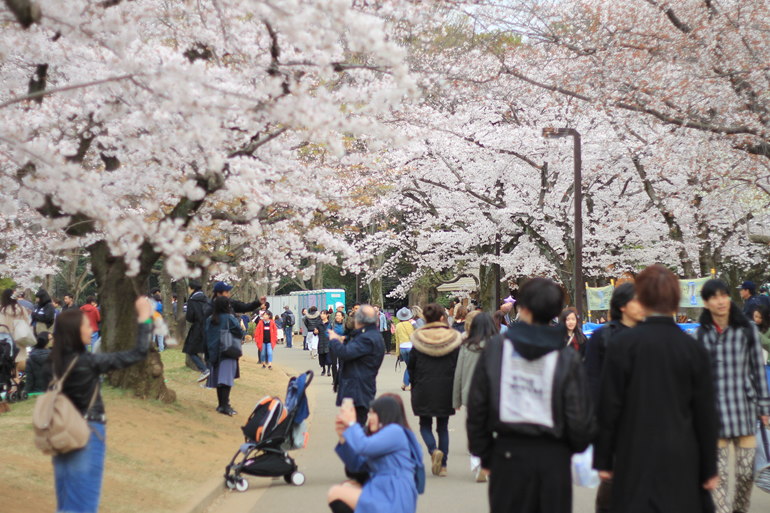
(309, 379)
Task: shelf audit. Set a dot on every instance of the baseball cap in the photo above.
(748, 285)
(221, 286)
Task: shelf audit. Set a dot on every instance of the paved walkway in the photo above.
(458, 492)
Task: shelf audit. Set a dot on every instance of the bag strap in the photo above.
(67, 372)
(93, 397)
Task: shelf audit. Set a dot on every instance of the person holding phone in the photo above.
(387, 449)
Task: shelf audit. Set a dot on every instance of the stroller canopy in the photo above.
(295, 398)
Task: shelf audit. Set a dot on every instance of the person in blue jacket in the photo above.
(388, 450)
(360, 358)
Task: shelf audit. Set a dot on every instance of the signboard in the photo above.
(599, 297)
(691, 292)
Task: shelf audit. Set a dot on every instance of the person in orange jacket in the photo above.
(266, 330)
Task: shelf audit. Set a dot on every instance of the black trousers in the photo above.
(335, 371)
(530, 475)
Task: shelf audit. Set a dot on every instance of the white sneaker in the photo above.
(204, 375)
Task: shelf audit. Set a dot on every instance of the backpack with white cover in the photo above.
(59, 426)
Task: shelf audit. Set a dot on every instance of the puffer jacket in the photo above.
(36, 381)
(84, 378)
(313, 322)
(431, 366)
(571, 411)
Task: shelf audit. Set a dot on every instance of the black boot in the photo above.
(340, 507)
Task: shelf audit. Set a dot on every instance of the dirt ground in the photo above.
(157, 455)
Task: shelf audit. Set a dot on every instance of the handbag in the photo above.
(59, 426)
(229, 344)
(762, 460)
(23, 334)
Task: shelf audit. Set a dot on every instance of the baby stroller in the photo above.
(9, 390)
(273, 429)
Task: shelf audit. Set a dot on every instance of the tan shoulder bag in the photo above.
(59, 426)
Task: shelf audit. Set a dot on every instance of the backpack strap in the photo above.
(56, 380)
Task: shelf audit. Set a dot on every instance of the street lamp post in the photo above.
(551, 133)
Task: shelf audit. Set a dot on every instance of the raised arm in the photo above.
(105, 362)
(387, 440)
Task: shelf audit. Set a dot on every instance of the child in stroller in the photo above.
(11, 385)
(273, 429)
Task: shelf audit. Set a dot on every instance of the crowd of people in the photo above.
(659, 406)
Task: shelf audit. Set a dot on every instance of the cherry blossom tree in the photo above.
(134, 127)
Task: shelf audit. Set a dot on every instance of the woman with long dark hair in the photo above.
(482, 327)
(388, 450)
(78, 473)
(224, 370)
(338, 327)
(575, 338)
(324, 359)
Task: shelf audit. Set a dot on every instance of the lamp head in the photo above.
(555, 133)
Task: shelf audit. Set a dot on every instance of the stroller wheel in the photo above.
(230, 482)
(242, 485)
(287, 478)
(24, 395)
(13, 397)
(298, 478)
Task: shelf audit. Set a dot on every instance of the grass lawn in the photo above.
(157, 454)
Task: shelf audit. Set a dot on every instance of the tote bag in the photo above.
(229, 344)
(22, 333)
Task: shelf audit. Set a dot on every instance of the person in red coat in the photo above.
(266, 330)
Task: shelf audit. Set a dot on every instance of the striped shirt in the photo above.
(740, 381)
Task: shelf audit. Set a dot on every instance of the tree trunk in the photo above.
(487, 288)
(318, 275)
(117, 293)
(168, 310)
(375, 292)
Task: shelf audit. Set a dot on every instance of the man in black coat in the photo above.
(658, 422)
(198, 310)
(625, 313)
(360, 359)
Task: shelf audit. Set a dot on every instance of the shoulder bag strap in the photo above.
(67, 372)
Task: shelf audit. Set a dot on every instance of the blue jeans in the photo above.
(267, 352)
(78, 475)
(198, 362)
(405, 357)
(160, 339)
(442, 428)
(288, 333)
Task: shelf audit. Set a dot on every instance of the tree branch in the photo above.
(49, 92)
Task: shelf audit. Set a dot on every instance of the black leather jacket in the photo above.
(84, 377)
(573, 417)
